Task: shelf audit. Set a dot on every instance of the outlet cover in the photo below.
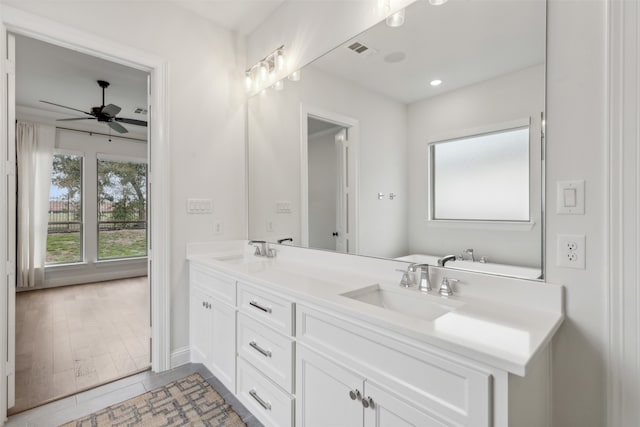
(217, 227)
(571, 251)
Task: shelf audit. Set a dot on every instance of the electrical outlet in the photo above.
(217, 227)
(571, 251)
(269, 226)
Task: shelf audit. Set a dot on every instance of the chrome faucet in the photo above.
(445, 259)
(425, 283)
(262, 249)
(406, 280)
(286, 239)
(445, 286)
(468, 254)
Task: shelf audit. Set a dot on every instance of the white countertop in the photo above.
(505, 336)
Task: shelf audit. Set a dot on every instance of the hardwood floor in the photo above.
(82, 404)
(74, 338)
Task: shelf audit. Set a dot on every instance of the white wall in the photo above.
(575, 135)
(206, 116)
(322, 189)
(274, 159)
(518, 95)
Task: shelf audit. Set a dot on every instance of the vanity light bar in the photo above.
(263, 73)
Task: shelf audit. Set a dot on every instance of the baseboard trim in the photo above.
(180, 357)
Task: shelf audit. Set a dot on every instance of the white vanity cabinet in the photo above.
(212, 318)
(384, 380)
(265, 349)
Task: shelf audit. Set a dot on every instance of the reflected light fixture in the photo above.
(263, 73)
(437, 2)
(396, 20)
(436, 82)
(295, 76)
(279, 85)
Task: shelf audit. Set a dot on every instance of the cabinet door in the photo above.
(386, 409)
(222, 359)
(200, 324)
(326, 392)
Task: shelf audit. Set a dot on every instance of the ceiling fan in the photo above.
(104, 113)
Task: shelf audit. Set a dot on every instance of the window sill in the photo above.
(482, 225)
(111, 262)
(66, 266)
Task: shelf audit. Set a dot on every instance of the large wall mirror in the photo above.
(412, 142)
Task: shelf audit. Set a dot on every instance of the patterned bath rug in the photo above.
(190, 401)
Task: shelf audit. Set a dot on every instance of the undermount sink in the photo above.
(238, 259)
(406, 301)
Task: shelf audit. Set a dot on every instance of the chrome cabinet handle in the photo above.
(355, 394)
(265, 353)
(265, 405)
(368, 402)
(259, 307)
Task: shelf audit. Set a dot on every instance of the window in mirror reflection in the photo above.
(481, 177)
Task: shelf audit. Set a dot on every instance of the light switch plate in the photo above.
(199, 206)
(570, 197)
(283, 207)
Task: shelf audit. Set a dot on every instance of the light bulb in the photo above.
(280, 60)
(248, 81)
(263, 70)
(279, 85)
(437, 2)
(436, 82)
(397, 19)
(295, 76)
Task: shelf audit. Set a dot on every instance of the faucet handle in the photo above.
(445, 286)
(406, 279)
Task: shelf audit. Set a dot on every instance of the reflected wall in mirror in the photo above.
(342, 159)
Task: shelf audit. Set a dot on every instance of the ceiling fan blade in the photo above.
(64, 106)
(75, 118)
(131, 121)
(111, 110)
(117, 127)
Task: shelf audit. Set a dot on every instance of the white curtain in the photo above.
(34, 152)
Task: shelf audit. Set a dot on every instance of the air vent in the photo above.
(140, 110)
(361, 49)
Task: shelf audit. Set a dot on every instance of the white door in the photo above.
(342, 191)
(10, 87)
(385, 409)
(327, 394)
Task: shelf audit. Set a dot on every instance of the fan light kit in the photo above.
(104, 113)
(263, 74)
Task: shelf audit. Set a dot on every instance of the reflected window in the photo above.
(481, 177)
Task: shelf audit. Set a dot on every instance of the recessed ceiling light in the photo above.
(437, 2)
(436, 82)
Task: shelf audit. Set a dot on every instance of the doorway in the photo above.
(329, 180)
(82, 121)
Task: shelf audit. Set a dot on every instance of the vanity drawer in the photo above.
(437, 383)
(265, 307)
(267, 350)
(268, 403)
(216, 284)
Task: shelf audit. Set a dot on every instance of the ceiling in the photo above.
(461, 43)
(242, 16)
(66, 77)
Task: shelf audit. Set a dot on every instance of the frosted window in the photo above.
(482, 177)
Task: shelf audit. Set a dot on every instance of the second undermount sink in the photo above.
(238, 259)
(406, 301)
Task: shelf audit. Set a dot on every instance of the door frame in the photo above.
(353, 126)
(22, 23)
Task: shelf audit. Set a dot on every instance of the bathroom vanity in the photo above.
(313, 338)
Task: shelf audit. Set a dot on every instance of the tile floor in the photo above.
(81, 404)
(72, 338)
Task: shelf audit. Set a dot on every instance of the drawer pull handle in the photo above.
(355, 394)
(368, 402)
(265, 405)
(265, 353)
(259, 307)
